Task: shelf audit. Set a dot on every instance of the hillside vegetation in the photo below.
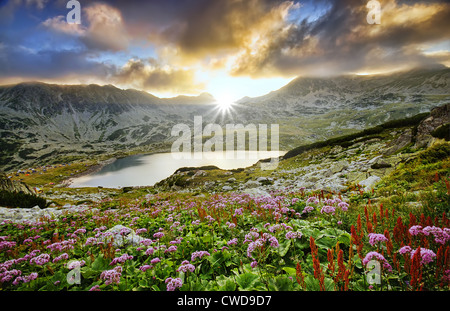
(368, 211)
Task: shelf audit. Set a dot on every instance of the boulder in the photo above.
(438, 116)
(123, 236)
(402, 141)
(370, 182)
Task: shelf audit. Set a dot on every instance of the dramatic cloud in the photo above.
(149, 74)
(179, 46)
(106, 28)
(105, 31)
(342, 41)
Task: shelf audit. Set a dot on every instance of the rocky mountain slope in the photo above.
(42, 123)
(354, 161)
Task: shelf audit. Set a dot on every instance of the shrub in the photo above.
(21, 200)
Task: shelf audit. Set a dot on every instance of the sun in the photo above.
(225, 103)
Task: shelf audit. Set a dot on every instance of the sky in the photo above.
(228, 48)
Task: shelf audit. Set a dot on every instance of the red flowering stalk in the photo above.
(369, 227)
(416, 271)
(318, 273)
(439, 261)
(436, 177)
(396, 262)
(299, 275)
(422, 220)
(358, 225)
(389, 246)
(366, 213)
(330, 257)
(346, 279)
(374, 219)
(341, 266)
(445, 220)
(399, 230)
(412, 220)
(381, 212)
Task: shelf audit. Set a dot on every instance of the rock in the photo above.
(128, 236)
(379, 163)
(339, 166)
(231, 180)
(402, 141)
(438, 116)
(256, 192)
(227, 188)
(209, 184)
(370, 182)
(252, 184)
(13, 185)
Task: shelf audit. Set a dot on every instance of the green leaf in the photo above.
(290, 271)
(226, 283)
(311, 283)
(282, 283)
(100, 264)
(283, 247)
(216, 259)
(344, 238)
(247, 280)
(325, 242)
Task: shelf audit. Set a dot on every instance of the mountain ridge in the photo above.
(41, 121)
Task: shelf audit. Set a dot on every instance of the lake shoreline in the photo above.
(172, 163)
(91, 170)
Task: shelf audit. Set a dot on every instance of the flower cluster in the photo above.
(121, 259)
(379, 258)
(293, 235)
(40, 260)
(173, 284)
(375, 238)
(232, 242)
(199, 254)
(260, 242)
(426, 254)
(112, 276)
(61, 257)
(25, 279)
(186, 266)
(75, 264)
(62, 246)
(441, 236)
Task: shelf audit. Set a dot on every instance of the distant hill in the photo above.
(42, 122)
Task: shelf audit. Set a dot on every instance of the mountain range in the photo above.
(43, 123)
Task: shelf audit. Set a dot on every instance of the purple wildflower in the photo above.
(199, 254)
(232, 242)
(186, 266)
(426, 254)
(61, 257)
(112, 276)
(40, 260)
(379, 257)
(374, 238)
(76, 264)
(173, 284)
(415, 230)
(121, 259)
(404, 250)
(145, 268)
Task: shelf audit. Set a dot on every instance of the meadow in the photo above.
(292, 240)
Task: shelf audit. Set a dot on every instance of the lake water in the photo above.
(147, 170)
